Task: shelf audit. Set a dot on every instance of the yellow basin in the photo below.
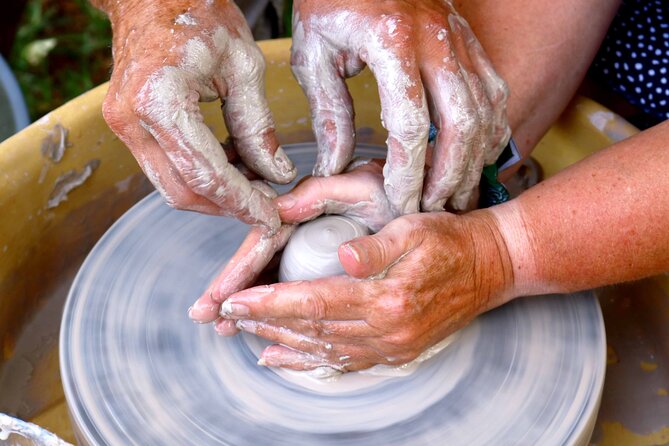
(44, 238)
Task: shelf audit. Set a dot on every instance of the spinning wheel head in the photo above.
(137, 371)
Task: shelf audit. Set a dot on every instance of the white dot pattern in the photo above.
(634, 56)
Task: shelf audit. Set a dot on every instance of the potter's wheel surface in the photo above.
(137, 371)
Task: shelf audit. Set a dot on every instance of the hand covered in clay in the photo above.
(357, 193)
(168, 57)
(408, 287)
(429, 66)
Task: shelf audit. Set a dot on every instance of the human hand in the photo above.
(170, 55)
(429, 66)
(357, 193)
(416, 281)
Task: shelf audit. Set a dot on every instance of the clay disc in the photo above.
(137, 371)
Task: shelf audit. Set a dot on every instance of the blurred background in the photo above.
(55, 50)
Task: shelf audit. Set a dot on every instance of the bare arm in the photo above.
(542, 49)
(602, 221)
(605, 220)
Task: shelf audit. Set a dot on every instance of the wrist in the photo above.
(493, 267)
(516, 235)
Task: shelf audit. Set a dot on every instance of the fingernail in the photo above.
(246, 325)
(231, 309)
(357, 252)
(219, 329)
(284, 164)
(285, 202)
(262, 362)
(200, 312)
(194, 316)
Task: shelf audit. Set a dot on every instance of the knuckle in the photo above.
(415, 226)
(297, 56)
(400, 342)
(465, 124)
(394, 26)
(411, 127)
(315, 329)
(314, 306)
(500, 93)
(113, 115)
(254, 67)
(139, 105)
(400, 306)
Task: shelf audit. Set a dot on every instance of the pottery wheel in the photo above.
(137, 371)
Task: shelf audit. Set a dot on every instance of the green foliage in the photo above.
(62, 49)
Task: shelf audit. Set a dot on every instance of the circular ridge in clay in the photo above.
(311, 252)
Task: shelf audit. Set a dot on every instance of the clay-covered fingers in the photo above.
(358, 193)
(256, 251)
(455, 117)
(338, 298)
(486, 144)
(247, 114)
(353, 331)
(347, 360)
(310, 300)
(415, 49)
(461, 112)
(225, 327)
(417, 281)
(158, 83)
(496, 89)
(282, 356)
(155, 163)
(168, 109)
(316, 69)
(391, 56)
(307, 353)
(468, 103)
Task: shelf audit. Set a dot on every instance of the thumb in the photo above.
(375, 254)
(321, 195)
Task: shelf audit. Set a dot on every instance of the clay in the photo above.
(137, 371)
(311, 252)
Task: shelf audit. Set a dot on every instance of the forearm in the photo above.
(602, 221)
(542, 49)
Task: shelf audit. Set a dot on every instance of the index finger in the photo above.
(332, 298)
(170, 111)
(242, 269)
(404, 111)
(247, 114)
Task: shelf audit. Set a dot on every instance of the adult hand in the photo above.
(409, 286)
(358, 194)
(168, 56)
(429, 66)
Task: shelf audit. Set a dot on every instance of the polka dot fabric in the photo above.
(634, 57)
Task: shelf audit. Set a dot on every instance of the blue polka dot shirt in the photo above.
(634, 57)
